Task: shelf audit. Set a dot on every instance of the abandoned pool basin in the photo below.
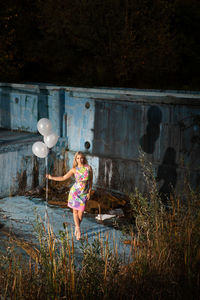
(111, 126)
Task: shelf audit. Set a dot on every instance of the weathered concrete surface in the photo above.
(18, 215)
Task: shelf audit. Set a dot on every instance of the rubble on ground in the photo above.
(101, 202)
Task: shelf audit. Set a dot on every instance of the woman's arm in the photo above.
(61, 178)
(90, 183)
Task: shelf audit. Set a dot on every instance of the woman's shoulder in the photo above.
(73, 170)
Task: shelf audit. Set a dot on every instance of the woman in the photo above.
(81, 190)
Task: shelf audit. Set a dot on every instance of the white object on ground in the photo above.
(103, 217)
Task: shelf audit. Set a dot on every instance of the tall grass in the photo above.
(164, 256)
(55, 273)
(167, 239)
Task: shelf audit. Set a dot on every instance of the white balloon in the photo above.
(50, 140)
(44, 126)
(40, 149)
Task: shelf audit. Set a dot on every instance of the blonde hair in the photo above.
(75, 164)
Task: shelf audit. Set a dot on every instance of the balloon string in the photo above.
(46, 169)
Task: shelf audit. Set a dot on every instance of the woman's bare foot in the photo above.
(76, 231)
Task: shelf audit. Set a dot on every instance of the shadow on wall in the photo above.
(43, 111)
(167, 173)
(35, 178)
(148, 140)
(61, 110)
(5, 114)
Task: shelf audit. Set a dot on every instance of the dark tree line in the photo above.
(124, 43)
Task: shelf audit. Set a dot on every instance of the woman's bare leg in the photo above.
(78, 216)
(76, 220)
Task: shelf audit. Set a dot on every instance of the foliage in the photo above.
(168, 238)
(153, 44)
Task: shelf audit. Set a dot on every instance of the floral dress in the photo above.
(78, 192)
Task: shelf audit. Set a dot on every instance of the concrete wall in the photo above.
(20, 170)
(111, 126)
(118, 124)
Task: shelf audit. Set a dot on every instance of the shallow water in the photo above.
(18, 214)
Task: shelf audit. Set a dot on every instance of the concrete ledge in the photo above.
(12, 140)
(126, 94)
